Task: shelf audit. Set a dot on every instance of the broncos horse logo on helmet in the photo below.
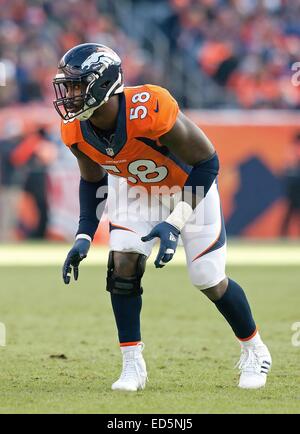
(99, 58)
(93, 69)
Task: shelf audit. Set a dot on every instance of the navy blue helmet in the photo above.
(88, 75)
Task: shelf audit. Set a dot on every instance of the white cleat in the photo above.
(134, 373)
(254, 365)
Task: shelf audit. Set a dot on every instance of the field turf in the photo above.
(61, 354)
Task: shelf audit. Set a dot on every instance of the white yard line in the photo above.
(239, 254)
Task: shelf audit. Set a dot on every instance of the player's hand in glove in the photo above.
(168, 235)
(78, 252)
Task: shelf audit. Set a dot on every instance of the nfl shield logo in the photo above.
(110, 152)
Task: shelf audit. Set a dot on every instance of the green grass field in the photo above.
(190, 350)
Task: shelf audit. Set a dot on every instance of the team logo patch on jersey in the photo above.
(110, 152)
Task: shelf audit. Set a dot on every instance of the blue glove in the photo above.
(78, 252)
(168, 235)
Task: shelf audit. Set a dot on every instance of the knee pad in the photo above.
(206, 273)
(128, 286)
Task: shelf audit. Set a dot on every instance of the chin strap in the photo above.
(86, 114)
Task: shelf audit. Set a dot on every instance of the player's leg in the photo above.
(126, 266)
(125, 271)
(205, 246)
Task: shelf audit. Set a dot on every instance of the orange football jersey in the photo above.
(134, 152)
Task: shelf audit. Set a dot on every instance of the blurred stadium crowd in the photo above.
(246, 46)
(241, 47)
(211, 54)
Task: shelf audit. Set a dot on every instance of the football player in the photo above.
(133, 138)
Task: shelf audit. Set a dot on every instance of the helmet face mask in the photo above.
(67, 106)
(88, 75)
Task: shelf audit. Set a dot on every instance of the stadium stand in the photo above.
(219, 53)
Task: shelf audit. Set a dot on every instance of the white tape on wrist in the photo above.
(180, 215)
(83, 237)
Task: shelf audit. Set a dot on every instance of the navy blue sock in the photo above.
(127, 314)
(235, 308)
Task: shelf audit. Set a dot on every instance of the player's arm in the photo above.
(92, 198)
(187, 141)
(190, 144)
(89, 170)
